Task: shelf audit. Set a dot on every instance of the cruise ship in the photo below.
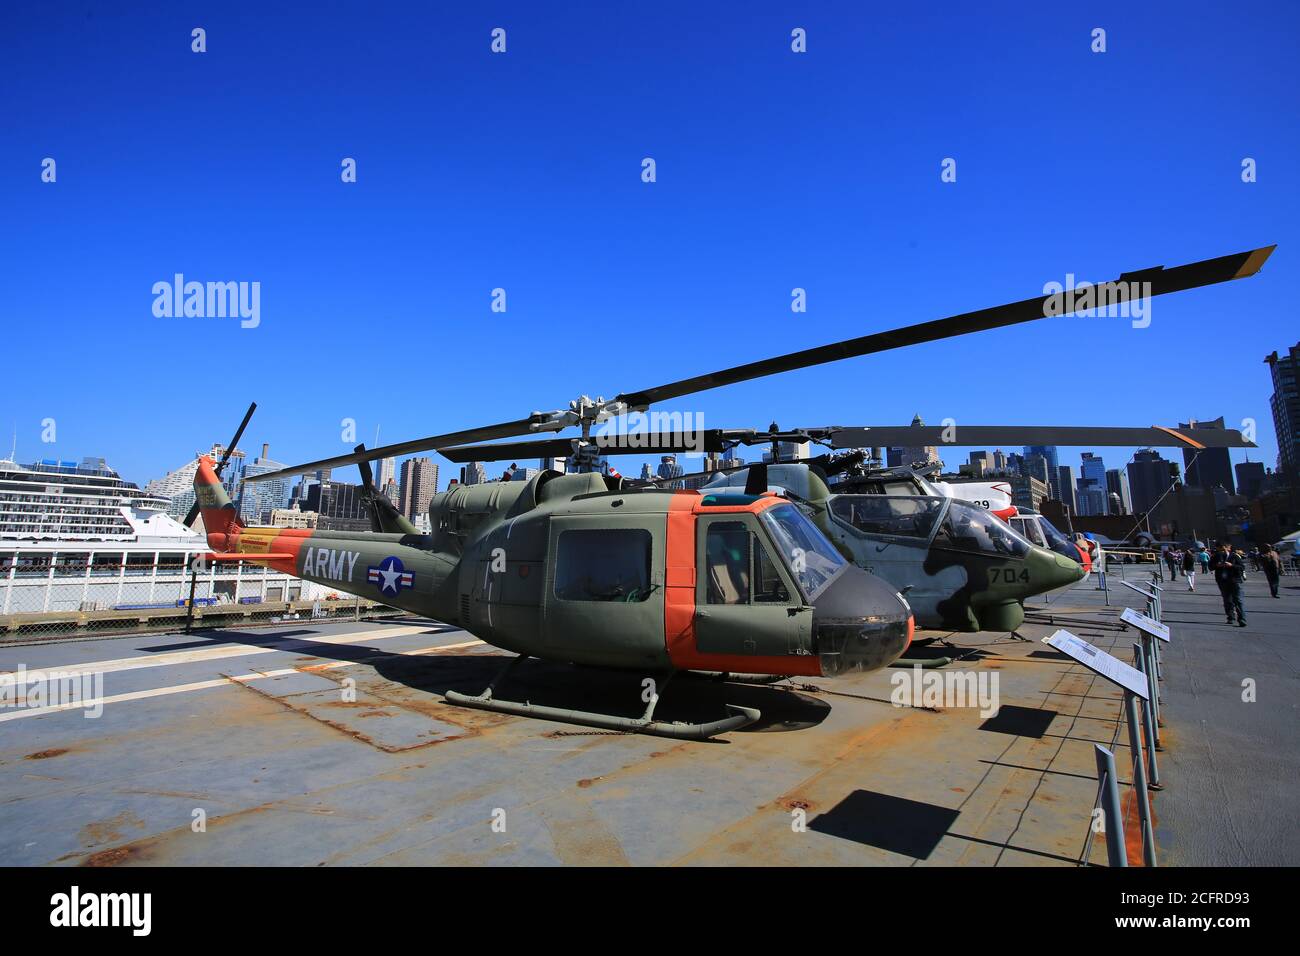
(74, 536)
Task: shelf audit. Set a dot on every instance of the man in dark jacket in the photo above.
(1272, 562)
(1229, 570)
(1189, 568)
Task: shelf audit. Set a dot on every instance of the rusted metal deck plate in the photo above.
(330, 744)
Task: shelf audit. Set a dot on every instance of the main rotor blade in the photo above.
(1207, 272)
(486, 433)
(965, 436)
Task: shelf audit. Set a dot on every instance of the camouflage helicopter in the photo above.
(582, 568)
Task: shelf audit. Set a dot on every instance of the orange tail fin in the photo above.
(219, 516)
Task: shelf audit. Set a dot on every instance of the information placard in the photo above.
(1133, 587)
(1099, 662)
(1144, 623)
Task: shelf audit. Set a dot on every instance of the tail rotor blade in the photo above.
(367, 476)
(234, 442)
(225, 457)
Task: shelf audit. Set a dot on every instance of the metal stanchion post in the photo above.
(1149, 722)
(1142, 661)
(189, 611)
(1140, 778)
(1112, 815)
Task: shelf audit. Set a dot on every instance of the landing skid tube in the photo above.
(645, 724)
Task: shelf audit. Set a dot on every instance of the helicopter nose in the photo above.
(1049, 571)
(860, 623)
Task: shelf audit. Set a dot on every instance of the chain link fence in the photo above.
(50, 595)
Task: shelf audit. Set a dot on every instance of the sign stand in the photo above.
(1149, 721)
(1112, 815)
(1152, 632)
(1135, 685)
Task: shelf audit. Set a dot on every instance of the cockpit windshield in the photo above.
(903, 517)
(1058, 542)
(968, 528)
(811, 558)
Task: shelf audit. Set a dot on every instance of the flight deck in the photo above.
(330, 744)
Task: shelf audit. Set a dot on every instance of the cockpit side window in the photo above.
(1029, 528)
(768, 586)
(606, 564)
(727, 553)
(967, 528)
(740, 570)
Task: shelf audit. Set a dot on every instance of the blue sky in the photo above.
(522, 171)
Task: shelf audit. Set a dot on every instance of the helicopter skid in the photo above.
(645, 724)
(741, 717)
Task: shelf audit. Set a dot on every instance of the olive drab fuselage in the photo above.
(573, 568)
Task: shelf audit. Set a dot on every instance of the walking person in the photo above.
(1229, 571)
(1169, 560)
(1203, 556)
(1189, 568)
(1272, 562)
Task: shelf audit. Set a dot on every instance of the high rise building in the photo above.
(1091, 495)
(419, 485)
(1028, 491)
(387, 472)
(340, 506)
(1117, 491)
(1065, 488)
(1208, 468)
(1250, 478)
(1149, 477)
(1048, 454)
(1285, 403)
(233, 474)
(919, 454)
(260, 499)
(473, 473)
(1038, 467)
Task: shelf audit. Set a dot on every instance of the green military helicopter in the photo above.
(582, 568)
